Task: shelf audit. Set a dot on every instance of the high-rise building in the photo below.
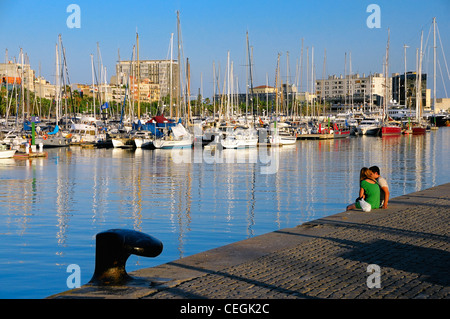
(156, 72)
(398, 89)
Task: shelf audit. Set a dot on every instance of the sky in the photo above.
(212, 29)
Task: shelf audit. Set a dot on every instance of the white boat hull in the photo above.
(143, 142)
(239, 143)
(169, 144)
(369, 130)
(7, 153)
(288, 140)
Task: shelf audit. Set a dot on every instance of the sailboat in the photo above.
(418, 127)
(280, 134)
(5, 152)
(177, 137)
(240, 138)
(388, 128)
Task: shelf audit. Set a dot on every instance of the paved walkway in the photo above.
(327, 258)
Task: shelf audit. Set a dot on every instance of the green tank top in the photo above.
(372, 192)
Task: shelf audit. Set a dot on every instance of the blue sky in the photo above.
(212, 28)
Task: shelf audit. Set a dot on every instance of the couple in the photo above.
(373, 188)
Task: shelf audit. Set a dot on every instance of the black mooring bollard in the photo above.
(113, 247)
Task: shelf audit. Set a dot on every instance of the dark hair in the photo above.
(375, 169)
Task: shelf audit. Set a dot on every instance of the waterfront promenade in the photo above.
(327, 258)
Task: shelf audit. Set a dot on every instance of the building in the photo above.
(148, 91)
(152, 71)
(16, 74)
(351, 89)
(263, 89)
(43, 88)
(398, 89)
(442, 105)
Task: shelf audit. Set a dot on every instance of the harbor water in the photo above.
(192, 200)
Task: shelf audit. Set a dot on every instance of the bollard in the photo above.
(113, 247)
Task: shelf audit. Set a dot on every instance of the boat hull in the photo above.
(123, 143)
(288, 140)
(370, 131)
(419, 130)
(144, 143)
(391, 130)
(167, 144)
(239, 143)
(50, 141)
(7, 153)
(342, 134)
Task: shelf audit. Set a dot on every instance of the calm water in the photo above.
(52, 208)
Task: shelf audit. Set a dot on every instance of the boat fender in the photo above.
(45, 136)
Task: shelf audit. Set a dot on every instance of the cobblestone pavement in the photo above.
(324, 259)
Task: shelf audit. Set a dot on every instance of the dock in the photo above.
(325, 136)
(402, 252)
(24, 155)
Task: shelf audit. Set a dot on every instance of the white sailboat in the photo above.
(280, 135)
(5, 152)
(178, 138)
(143, 139)
(241, 138)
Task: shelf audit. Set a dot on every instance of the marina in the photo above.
(204, 133)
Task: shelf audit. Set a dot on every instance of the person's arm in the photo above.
(386, 196)
(361, 192)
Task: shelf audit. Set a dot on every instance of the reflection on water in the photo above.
(192, 200)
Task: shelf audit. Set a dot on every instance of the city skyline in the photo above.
(210, 30)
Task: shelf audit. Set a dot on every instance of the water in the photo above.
(52, 208)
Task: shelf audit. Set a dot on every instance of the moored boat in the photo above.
(5, 152)
(178, 137)
(369, 127)
(390, 128)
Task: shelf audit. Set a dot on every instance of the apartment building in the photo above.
(156, 72)
(16, 74)
(342, 90)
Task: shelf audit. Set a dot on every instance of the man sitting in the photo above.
(384, 198)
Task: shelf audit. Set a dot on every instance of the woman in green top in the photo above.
(369, 190)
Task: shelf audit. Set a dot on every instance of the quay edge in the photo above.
(325, 258)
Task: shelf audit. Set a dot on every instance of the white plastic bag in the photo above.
(366, 207)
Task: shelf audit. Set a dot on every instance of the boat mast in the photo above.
(434, 65)
(386, 76)
(276, 85)
(57, 84)
(419, 89)
(228, 85)
(287, 84)
(312, 82)
(170, 77)
(405, 81)
(138, 76)
(246, 79)
(179, 67)
(93, 86)
(250, 60)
